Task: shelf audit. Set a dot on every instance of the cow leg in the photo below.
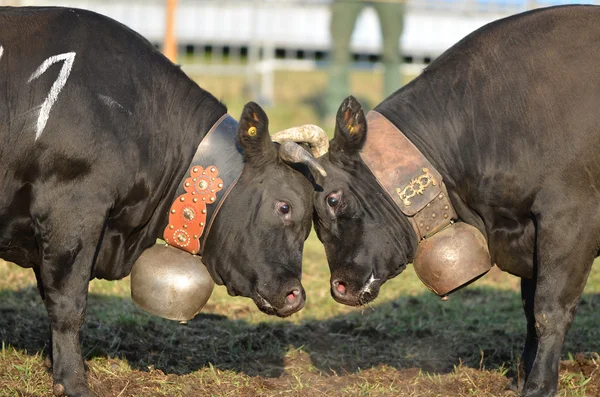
(68, 250)
(564, 259)
(40, 286)
(66, 302)
(531, 341)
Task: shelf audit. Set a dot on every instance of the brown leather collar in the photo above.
(212, 174)
(408, 177)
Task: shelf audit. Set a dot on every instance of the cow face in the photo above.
(367, 239)
(255, 245)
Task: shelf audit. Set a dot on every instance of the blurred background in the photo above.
(300, 58)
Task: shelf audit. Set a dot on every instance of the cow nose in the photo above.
(294, 301)
(338, 288)
(341, 293)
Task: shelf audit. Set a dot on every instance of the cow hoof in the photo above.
(539, 392)
(58, 390)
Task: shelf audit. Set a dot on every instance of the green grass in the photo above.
(469, 344)
(407, 343)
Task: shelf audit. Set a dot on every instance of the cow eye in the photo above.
(333, 200)
(283, 207)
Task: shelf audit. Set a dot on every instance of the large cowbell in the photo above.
(452, 258)
(170, 283)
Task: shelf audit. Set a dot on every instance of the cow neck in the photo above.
(212, 174)
(412, 182)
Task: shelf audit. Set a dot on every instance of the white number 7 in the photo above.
(58, 85)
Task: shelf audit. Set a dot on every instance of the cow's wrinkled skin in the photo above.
(509, 117)
(97, 129)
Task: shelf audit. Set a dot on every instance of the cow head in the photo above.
(367, 239)
(255, 245)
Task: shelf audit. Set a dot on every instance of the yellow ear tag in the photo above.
(252, 131)
(351, 129)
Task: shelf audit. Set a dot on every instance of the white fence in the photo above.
(258, 37)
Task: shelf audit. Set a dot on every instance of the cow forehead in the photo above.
(277, 183)
(284, 176)
(337, 177)
(297, 189)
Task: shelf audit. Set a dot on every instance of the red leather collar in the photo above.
(212, 174)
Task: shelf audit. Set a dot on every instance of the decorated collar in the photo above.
(212, 174)
(409, 178)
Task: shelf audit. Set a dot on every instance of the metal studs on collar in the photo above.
(189, 214)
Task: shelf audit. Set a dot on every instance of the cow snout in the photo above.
(294, 301)
(355, 294)
(338, 288)
(340, 292)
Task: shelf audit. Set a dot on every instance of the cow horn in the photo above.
(291, 152)
(311, 134)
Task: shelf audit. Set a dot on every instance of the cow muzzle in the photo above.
(293, 302)
(343, 292)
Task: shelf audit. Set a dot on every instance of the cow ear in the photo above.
(253, 135)
(350, 127)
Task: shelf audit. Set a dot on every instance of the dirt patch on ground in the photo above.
(112, 377)
(299, 379)
(380, 381)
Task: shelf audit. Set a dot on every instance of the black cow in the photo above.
(97, 129)
(510, 118)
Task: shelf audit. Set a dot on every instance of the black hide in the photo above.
(97, 129)
(509, 117)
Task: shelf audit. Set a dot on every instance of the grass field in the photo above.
(408, 343)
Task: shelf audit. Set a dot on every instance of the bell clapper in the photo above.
(445, 298)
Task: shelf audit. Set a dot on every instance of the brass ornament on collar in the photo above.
(252, 131)
(450, 253)
(416, 186)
